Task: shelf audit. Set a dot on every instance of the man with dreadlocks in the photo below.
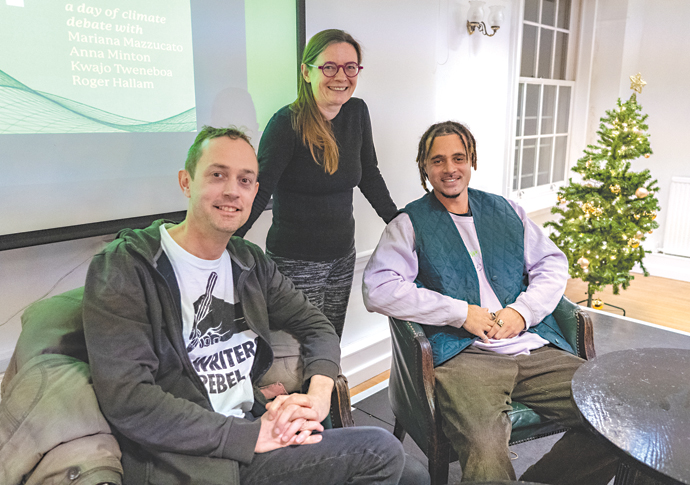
(484, 280)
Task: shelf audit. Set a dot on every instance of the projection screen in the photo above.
(100, 100)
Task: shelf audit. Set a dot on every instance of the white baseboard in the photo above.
(666, 266)
(369, 392)
(366, 358)
(366, 345)
(635, 320)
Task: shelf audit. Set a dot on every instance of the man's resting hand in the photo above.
(290, 420)
(513, 324)
(478, 322)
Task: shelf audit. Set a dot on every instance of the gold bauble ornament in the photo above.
(636, 216)
(646, 155)
(616, 189)
(597, 304)
(651, 232)
(652, 215)
(641, 193)
(633, 243)
(583, 262)
(639, 234)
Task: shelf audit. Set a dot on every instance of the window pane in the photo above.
(560, 56)
(545, 148)
(531, 109)
(532, 10)
(545, 49)
(559, 159)
(527, 176)
(548, 12)
(516, 166)
(548, 110)
(518, 124)
(529, 50)
(564, 14)
(563, 109)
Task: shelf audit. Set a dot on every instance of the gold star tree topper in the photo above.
(636, 83)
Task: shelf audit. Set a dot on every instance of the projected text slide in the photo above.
(96, 66)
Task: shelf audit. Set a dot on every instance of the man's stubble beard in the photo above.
(449, 196)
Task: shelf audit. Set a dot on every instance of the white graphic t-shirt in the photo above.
(220, 344)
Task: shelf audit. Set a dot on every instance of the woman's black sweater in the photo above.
(312, 210)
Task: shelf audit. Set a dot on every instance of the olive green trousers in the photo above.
(475, 389)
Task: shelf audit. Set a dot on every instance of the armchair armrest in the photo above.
(341, 409)
(412, 382)
(576, 326)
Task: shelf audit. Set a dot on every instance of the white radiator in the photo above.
(677, 231)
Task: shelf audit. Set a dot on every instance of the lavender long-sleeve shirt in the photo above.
(389, 287)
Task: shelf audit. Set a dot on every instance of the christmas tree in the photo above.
(607, 214)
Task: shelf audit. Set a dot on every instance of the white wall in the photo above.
(30, 274)
(474, 80)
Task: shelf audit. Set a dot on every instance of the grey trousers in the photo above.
(327, 286)
(475, 389)
(360, 455)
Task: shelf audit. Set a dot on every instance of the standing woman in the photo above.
(311, 156)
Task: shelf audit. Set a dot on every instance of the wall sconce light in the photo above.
(475, 18)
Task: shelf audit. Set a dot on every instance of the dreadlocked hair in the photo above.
(443, 129)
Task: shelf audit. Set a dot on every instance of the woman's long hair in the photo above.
(307, 120)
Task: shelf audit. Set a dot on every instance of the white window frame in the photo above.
(542, 83)
(578, 67)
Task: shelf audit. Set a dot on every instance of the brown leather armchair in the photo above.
(413, 397)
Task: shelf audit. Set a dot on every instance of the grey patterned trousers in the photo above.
(327, 285)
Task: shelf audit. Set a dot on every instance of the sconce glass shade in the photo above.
(476, 12)
(495, 16)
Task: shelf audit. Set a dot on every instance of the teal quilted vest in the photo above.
(445, 265)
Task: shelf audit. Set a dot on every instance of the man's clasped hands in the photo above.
(292, 419)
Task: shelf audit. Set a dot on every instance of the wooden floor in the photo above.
(651, 299)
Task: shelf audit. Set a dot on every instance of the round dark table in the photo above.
(639, 401)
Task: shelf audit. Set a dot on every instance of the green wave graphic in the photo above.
(25, 110)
